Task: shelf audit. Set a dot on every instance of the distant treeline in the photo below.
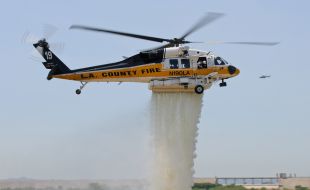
(97, 186)
(210, 186)
(91, 186)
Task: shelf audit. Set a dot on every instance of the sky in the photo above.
(253, 127)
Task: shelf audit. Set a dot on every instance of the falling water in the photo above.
(174, 120)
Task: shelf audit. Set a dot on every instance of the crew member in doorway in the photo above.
(202, 63)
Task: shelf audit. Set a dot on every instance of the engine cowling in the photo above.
(176, 52)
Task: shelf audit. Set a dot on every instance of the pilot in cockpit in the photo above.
(220, 61)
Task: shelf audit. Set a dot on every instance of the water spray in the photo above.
(174, 120)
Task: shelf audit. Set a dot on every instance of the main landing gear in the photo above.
(78, 91)
(223, 84)
(199, 89)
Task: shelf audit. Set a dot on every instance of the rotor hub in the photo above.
(43, 43)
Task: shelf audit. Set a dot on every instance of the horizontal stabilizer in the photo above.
(49, 65)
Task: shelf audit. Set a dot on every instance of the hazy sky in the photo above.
(253, 127)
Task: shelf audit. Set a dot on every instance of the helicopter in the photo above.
(172, 67)
(264, 76)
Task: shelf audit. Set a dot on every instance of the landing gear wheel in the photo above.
(223, 84)
(78, 91)
(199, 89)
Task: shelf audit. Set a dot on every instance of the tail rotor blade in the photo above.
(29, 38)
(57, 46)
(49, 30)
(35, 56)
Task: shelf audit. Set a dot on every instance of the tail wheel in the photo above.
(78, 91)
(199, 89)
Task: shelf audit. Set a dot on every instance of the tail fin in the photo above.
(52, 61)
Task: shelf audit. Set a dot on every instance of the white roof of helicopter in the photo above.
(173, 52)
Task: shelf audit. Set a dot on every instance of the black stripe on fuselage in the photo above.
(142, 58)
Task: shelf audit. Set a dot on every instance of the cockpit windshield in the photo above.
(220, 61)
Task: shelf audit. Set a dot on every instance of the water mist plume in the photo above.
(174, 120)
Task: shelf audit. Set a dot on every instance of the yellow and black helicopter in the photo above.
(172, 67)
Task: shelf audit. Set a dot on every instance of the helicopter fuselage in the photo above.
(171, 69)
(168, 63)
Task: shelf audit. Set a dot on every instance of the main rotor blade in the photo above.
(246, 43)
(159, 47)
(207, 19)
(149, 38)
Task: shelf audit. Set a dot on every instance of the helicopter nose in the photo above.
(237, 72)
(233, 70)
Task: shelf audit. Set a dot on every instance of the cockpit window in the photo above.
(220, 61)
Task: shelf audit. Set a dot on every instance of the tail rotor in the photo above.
(48, 31)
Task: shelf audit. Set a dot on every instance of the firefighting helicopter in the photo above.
(264, 76)
(172, 67)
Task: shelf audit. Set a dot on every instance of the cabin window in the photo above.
(185, 63)
(174, 64)
(202, 62)
(201, 59)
